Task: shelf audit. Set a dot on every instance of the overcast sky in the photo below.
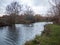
(39, 6)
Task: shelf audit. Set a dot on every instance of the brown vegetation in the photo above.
(20, 19)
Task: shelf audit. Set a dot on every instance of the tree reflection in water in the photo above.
(12, 36)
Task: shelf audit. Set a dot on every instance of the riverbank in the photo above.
(50, 36)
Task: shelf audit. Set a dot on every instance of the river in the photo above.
(20, 33)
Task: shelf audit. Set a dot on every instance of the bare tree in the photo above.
(29, 13)
(55, 10)
(13, 9)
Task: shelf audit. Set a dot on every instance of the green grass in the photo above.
(51, 36)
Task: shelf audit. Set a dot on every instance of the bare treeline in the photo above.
(55, 12)
(18, 13)
(14, 9)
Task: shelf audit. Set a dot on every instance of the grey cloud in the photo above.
(41, 2)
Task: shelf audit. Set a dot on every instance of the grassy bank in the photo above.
(50, 36)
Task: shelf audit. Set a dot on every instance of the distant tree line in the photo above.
(13, 15)
(7, 20)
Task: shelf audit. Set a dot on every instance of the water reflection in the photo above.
(25, 33)
(12, 36)
(1, 28)
(20, 33)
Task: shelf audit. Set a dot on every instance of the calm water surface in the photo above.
(20, 33)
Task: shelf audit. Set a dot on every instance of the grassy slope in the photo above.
(51, 36)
